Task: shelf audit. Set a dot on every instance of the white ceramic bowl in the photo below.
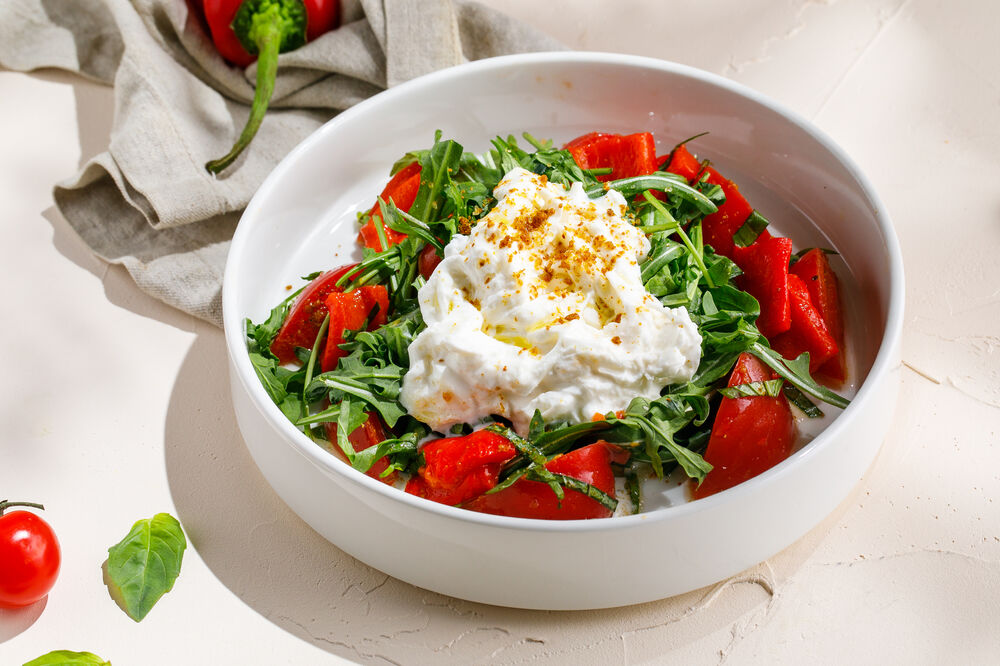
(303, 219)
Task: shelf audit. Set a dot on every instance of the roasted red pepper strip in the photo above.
(348, 312)
(808, 332)
(456, 469)
(402, 189)
(719, 227)
(368, 434)
(824, 292)
(533, 499)
(306, 316)
(750, 435)
(765, 277)
(428, 261)
(248, 30)
(627, 155)
(683, 163)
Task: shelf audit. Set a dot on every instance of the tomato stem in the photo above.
(6, 504)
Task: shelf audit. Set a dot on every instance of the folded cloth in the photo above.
(148, 203)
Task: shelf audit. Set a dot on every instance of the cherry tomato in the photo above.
(29, 557)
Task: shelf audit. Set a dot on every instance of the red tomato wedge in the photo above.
(627, 155)
(765, 277)
(808, 332)
(456, 469)
(368, 434)
(402, 189)
(824, 292)
(348, 312)
(306, 316)
(533, 499)
(750, 435)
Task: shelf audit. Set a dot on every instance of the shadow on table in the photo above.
(259, 549)
(14, 621)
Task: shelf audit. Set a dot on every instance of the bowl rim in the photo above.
(884, 363)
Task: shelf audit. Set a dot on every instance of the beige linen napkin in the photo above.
(147, 202)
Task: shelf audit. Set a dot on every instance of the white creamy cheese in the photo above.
(542, 307)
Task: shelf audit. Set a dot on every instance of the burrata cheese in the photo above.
(541, 306)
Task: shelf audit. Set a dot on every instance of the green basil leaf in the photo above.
(750, 229)
(67, 658)
(807, 406)
(768, 389)
(797, 373)
(144, 565)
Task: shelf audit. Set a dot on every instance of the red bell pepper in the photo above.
(248, 30)
(368, 434)
(808, 332)
(627, 155)
(348, 312)
(750, 435)
(402, 189)
(765, 277)
(457, 469)
(719, 227)
(306, 315)
(533, 499)
(683, 163)
(824, 292)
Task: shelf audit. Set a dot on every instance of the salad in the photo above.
(536, 332)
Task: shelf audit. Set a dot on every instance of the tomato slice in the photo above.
(627, 155)
(456, 469)
(402, 189)
(750, 435)
(808, 332)
(824, 293)
(348, 312)
(306, 315)
(533, 499)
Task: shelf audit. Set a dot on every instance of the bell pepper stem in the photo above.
(268, 43)
(5, 504)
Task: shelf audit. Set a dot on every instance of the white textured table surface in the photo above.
(115, 407)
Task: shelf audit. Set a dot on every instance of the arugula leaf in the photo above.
(68, 658)
(436, 167)
(144, 565)
(797, 374)
(661, 181)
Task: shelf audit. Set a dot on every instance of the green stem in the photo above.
(311, 365)
(684, 238)
(5, 504)
(268, 39)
